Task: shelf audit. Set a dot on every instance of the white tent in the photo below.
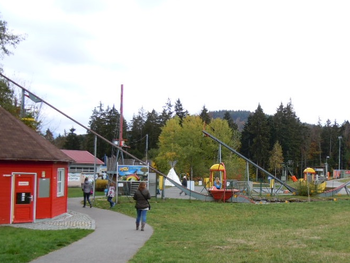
(173, 176)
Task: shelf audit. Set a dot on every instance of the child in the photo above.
(217, 183)
(111, 194)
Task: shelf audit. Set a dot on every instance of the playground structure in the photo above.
(222, 193)
(312, 178)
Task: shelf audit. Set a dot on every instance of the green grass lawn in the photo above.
(195, 231)
(77, 192)
(24, 245)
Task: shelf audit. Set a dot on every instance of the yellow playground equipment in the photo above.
(311, 176)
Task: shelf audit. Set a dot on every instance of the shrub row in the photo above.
(101, 184)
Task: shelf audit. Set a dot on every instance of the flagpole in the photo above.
(22, 105)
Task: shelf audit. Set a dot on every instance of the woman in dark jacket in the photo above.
(141, 197)
(87, 190)
(184, 183)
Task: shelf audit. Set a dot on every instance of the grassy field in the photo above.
(24, 245)
(77, 192)
(195, 231)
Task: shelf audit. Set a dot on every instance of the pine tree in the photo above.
(179, 111)
(166, 114)
(72, 141)
(104, 122)
(255, 138)
(137, 135)
(205, 116)
(345, 133)
(288, 130)
(7, 99)
(153, 129)
(49, 136)
(229, 120)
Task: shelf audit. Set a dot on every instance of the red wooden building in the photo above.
(33, 174)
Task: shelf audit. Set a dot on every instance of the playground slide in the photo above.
(333, 191)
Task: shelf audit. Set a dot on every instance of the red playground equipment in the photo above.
(219, 191)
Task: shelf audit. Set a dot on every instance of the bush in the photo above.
(307, 187)
(101, 184)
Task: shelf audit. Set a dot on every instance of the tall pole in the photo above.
(22, 105)
(326, 175)
(339, 152)
(146, 147)
(121, 118)
(95, 161)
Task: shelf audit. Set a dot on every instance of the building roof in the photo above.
(82, 157)
(18, 142)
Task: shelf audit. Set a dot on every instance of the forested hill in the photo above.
(240, 117)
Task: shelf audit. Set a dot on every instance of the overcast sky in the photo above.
(224, 55)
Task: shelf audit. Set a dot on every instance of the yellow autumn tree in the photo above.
(192, 151)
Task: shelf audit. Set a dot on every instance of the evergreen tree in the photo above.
(166, 114)
(330, 142)
(288, 130)
(111, 128)
(96, 124)
(260, 136)
(152, 128)
(60, 140)
(326, 139)
(230, 121)
(72, 141)
(179, 111)
(104, 123)
(345, 133)
(49, 136)
(205, 116)
(7, 98)
(137, 135)
(255, 139)
(314, 150)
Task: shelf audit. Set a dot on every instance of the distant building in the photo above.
(33, 174)
(82, 167)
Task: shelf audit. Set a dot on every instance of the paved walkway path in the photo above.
(114, 239)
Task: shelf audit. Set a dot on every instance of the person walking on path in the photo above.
(87, 190)
(111, 194)
(141, 196)
(184, 183)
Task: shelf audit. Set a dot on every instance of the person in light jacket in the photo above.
(87, 190)
(111, 194)
(141, 196)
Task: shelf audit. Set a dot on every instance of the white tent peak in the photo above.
(173, 176)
